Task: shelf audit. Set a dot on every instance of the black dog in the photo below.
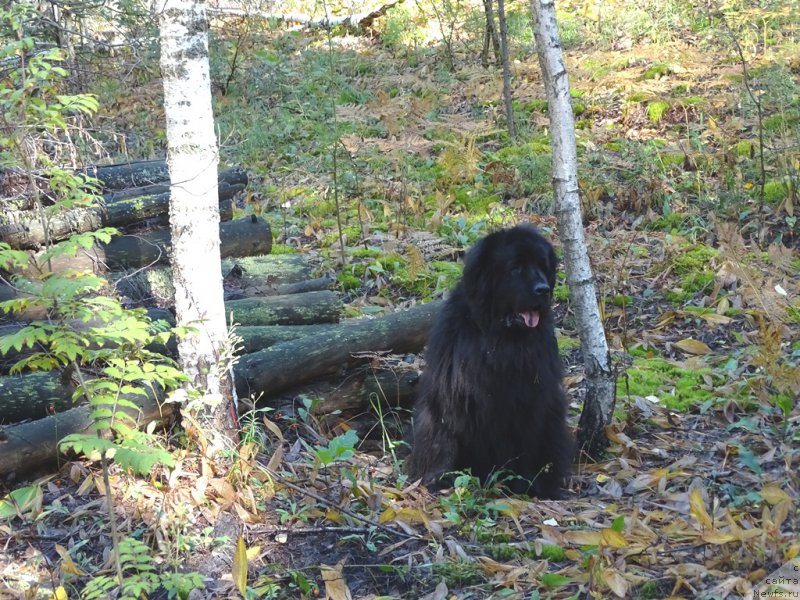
(491, 396)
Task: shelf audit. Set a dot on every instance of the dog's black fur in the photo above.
(491, 396)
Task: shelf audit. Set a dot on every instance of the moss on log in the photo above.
(28, 446)
(33, 396)
(298, 361)
(242, 237)
(294, 309)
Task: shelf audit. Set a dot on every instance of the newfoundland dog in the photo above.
(491, 396)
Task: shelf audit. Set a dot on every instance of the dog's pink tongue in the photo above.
(531, 318)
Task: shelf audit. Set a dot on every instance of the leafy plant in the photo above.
(338, 449)
(102, 345)
(141, 579)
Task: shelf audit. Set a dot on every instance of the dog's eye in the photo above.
(516, 271)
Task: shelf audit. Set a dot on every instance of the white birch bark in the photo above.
(598, 406)
(194, 215)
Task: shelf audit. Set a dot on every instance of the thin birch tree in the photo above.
(194, 221)
(598, 406)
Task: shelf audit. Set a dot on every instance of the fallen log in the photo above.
(242, 237)
(265, 270)
(239, 238)
(33, 396)
(317, 351)
(300, 287)
(354, 22)
(364, 389)
(28, 446)
(260, 337)
(295, 309)
(140, 173)
(26, 229)
(155, 284)
(292, 363)
(230, 182)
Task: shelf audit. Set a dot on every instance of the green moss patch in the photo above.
(676, 387)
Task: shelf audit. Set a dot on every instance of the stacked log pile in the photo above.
(288, 319)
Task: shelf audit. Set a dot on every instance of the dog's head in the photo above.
(509, 278)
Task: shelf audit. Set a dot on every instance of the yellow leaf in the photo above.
(792, 551)
(584, 538)
(67, 564)
(334, 516)
(616, 582)
(387, 516)
(411, 515)
(715, 319)
(712, 124)
(715, 536)
(774, 495)
(60, 594)
(277, 456)
(693, 346)
(335, 585)
(613, 538)
(253, 552)
(697, 508)
(239, 567)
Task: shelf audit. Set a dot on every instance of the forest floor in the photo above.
(695, 250)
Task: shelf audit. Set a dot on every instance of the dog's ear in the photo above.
(552, 266)
(478, 277)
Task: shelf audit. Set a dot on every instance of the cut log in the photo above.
(276, 275)
(239, 238)
(33, 396)
(284, 289)
(260, 337)
(285, 365)
(354, 22)
(7, 292)
(364, 389)
(298, 361)
(242, 237)
(230, 182)
(140, 173)
(294, 309)
(26, 229)
(265, 270)
(29, 446)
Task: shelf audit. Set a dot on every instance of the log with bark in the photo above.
(365, 388)
(239, 238)
(26, 230)
(230, 181)
(140, 173)
(294, 309)
(286, 364)
(354, 22)
(33, 396)
(29, 446)
(292, 363)
(242, 237)
(266, 321)
(276, 275)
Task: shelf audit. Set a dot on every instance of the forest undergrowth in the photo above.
(694, 244)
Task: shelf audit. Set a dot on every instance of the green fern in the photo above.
(140, 577)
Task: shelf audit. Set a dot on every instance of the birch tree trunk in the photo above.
(194, 218)
(598, 406)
